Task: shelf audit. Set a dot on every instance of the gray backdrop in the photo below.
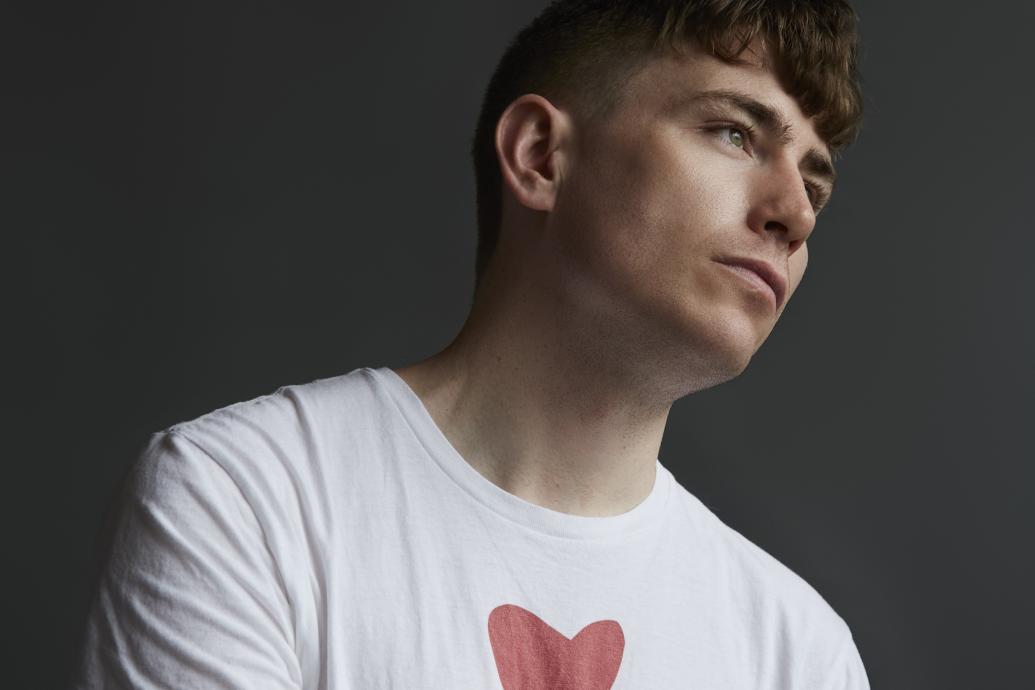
(203, 201)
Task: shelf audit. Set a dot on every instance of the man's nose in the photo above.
(782, 206)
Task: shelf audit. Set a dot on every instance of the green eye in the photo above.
(737, 138)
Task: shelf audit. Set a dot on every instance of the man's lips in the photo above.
(773, 278)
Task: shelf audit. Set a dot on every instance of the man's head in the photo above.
(652, 143)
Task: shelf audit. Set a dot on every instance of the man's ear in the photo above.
(529, 137)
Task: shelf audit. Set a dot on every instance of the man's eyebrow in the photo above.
(768, 118)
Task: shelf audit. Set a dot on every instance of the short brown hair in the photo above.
(580, 53)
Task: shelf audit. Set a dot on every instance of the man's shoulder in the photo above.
(783, 624)
(283, 453)
(281, 442)
(760, 583)
(288, 414)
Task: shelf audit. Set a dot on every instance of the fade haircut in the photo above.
(580, 53)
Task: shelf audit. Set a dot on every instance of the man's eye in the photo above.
(736, 136)
(817, 195)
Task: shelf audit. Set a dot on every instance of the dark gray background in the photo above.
(206, 200)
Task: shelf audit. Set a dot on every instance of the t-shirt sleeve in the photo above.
(848, 673)
(189, 596)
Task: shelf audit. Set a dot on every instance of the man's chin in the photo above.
(736, 344)
(721, 363)
(716, 345)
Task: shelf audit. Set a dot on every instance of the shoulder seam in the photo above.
(251, 509)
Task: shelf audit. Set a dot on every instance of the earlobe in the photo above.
(528, 147)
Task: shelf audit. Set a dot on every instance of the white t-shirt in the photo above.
(328, 536)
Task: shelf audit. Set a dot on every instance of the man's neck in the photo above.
(540, 416)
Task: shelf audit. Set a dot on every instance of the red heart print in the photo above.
(530, 655)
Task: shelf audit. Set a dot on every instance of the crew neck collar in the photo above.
(538, 518)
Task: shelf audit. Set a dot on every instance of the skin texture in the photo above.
(604, 302)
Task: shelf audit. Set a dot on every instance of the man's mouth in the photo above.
(760, 274)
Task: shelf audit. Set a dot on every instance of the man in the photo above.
(496, 515)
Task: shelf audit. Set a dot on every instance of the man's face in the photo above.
(683, 178)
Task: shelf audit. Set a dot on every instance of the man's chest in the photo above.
(458, 623)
